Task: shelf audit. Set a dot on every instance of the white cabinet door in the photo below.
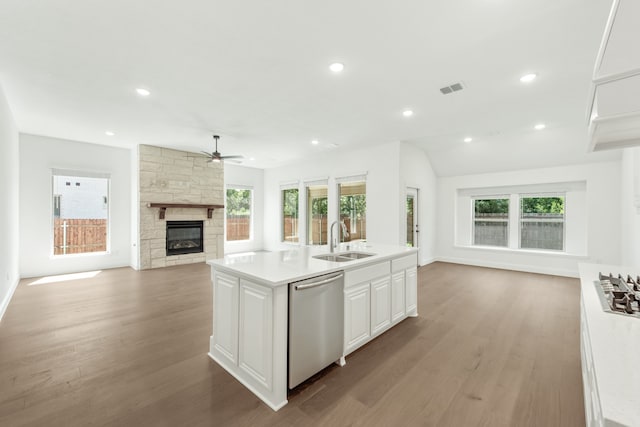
(256, 332)
(357, 319)
(411, 289)
(397, 296)
(380, 305)
(225, 316)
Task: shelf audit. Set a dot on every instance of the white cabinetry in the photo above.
(357, 316)
(397, 297)
(380, 305)
(256, 331)
(411, 283)
(376, 297)
(225, 320)
(249, 335)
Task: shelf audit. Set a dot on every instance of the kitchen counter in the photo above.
(611, 355)
(251, 307)
(283, 267)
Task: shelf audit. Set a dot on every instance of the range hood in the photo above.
(614, 108)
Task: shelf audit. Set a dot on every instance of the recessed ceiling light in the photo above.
(143, 92)
(315, 142)
(109, 133)
(528, 78)
(540, 126)
(468, 139)
(407, 113)
(252, 159)
(336, 67)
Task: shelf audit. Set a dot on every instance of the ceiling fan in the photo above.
(216, 156)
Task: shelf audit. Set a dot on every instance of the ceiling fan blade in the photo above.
(204, 152)
(232, 157)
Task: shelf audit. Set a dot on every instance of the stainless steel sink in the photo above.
(343, 256)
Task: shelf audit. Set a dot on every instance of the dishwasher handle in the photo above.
(320, 283)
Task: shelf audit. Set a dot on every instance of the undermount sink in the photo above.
(343, 257)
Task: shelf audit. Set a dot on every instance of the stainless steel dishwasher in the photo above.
(316, 325)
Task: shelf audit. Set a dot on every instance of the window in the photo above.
(542, 222)
(290, 215)
(317, 214)
(353, 209)
(80, 213)
(491, 222)
(238, 208)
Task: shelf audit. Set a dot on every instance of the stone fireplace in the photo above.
(178, 177)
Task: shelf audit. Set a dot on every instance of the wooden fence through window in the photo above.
(77, 236)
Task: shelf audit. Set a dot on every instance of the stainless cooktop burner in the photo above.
(619, 295)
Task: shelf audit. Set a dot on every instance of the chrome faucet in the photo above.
(333, 244)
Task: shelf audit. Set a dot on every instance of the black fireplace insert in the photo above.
(184, 237)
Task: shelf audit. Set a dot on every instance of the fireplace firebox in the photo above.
(184, 237)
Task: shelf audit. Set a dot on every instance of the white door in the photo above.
(411, 214)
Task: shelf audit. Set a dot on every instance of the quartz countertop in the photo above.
(615, 345)
(282, 267)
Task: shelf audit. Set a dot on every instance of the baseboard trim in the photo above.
(515, 267)
(7, 298)
(427, 261)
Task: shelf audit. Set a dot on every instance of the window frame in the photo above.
(283, 188)
(352, 180)
(55, 196)
(473, 219)
(564, 219)
(308, 211)
(251, 212)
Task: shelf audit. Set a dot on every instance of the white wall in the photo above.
(9, 208)
(600, 216)
(416, 172)
(134, 235)
(38, 155)
(381, 163)
(630, 207)
(248, 177)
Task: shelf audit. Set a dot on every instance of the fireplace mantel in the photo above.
(163, 207)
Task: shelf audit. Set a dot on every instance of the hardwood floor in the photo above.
(127, 348)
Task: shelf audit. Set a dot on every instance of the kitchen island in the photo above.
(610, 349)
(251, 306)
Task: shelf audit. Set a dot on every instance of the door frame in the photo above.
(415, 193)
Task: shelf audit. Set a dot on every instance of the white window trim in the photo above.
(290, 185)
(251, 213)
(307, 184)
(80, 174)
(473, 219)
(564, 221)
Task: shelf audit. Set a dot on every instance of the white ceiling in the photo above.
(256, 72)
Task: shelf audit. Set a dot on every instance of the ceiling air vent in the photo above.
(452, 88)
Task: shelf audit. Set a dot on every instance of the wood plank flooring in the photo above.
(128, 348)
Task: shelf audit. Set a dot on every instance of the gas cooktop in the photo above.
(619, 295)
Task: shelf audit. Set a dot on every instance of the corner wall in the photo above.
(9, 212)
(40, 154)
(416, 172)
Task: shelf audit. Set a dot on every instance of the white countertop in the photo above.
(615, 344)
(280, 268)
